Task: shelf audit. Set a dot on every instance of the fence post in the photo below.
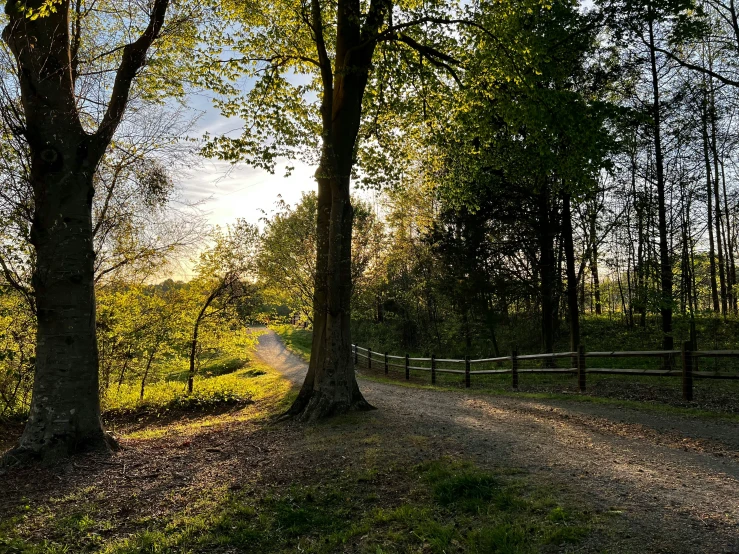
(386, 366)
(433, 369)
(369, 358)
(467, 372)
(407, 369)
(581, 369)
(356, 355)
(514, 366)
(687, 372)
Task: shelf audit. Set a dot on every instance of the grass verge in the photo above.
(298, 341)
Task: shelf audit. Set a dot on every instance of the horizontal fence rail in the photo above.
(687, 369)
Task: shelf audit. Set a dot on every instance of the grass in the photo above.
(327, 488)
(447, 506)
(233, 388)
(167, 409)
(298, 341)
(610, 390)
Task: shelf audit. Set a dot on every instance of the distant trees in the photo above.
(286, 260)
(591, 172)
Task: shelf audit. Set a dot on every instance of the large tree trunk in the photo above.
(65, 407)
(330, 387)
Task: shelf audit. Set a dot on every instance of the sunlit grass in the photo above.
(255, 391)
(296, 340)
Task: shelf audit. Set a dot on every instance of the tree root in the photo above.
(53, 452)
(317, 405)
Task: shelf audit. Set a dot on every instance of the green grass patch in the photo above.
(214, 368)
(255, 383)
(296, 340)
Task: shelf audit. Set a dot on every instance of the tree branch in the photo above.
(698, 68)
(133, 59)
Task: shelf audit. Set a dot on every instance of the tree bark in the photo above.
(594, 262)
(546, 269)
(65, 407)
(709, 199)
(717, 201)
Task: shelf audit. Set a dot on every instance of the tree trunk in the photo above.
(546, 270)
(146, 373)
(665, 265)
(730, 243)
(330, 387)
(569, 248)
(709, 199)
(717, 203)
(65, 407)
(594, 261)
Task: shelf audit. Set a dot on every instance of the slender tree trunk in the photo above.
(642, 239)
(709, 200)
(596, 279)
(730, 247)
(122, 375)
(546, 269)
(146, 373)
(569, 248)
(717, 202)
(664, 253)
(194, 353)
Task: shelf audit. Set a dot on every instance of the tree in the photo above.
(530, 138)
(223, 279)
(336, 44)
(46, 39)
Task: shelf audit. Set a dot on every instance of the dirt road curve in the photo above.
(675, 480)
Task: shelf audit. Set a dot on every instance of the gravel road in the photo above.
(673, 480)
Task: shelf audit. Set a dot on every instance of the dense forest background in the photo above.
(544, 176)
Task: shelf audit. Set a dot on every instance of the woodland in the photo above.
(534, 176)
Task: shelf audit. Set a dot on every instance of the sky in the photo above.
(226, 191)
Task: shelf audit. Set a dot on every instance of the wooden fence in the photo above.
(578, 361)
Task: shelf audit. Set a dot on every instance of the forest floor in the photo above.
(429, 471)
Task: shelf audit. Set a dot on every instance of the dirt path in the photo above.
(674, 480)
